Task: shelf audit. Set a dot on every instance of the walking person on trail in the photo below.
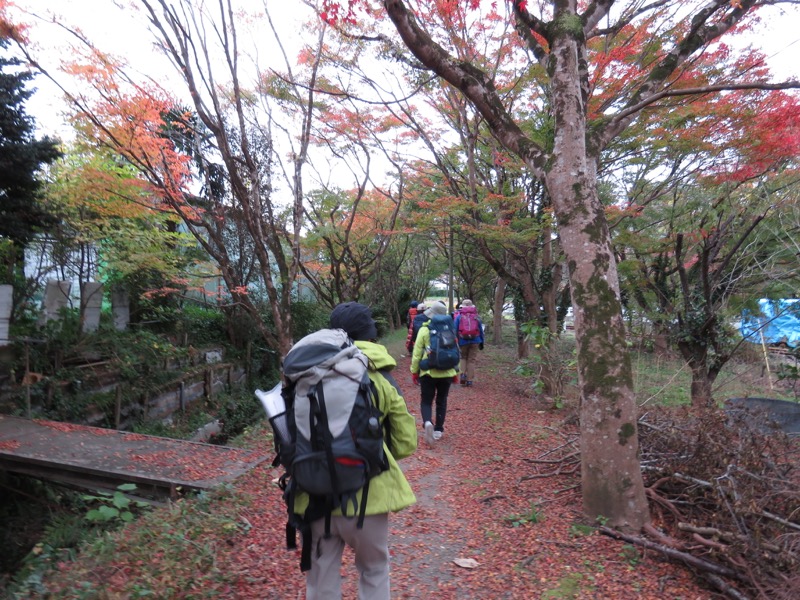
(419, 319)
(456, 312)
(413, 310)
(470, 340)
(411, 313)
(388, 492)
(434, 381)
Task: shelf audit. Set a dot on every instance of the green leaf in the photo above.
(94, 515)
(109, 512)
(120, 500)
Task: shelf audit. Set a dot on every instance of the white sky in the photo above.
(113, 28)
(778, 36)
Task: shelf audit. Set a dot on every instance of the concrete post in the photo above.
(91, 303)
(121, 308)
(56, 297)
(6, 304)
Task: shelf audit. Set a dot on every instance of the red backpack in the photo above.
(469, 327)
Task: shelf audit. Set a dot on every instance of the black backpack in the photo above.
(332, 441)
(443, 351)
(415, 327)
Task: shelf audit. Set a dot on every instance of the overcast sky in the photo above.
(119, 31)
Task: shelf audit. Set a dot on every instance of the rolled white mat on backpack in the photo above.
(273, 404)
(272, 401)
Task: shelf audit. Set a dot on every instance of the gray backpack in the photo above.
(334, 444)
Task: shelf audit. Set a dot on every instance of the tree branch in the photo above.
(470, 80)
(672, 553)
(786, 85)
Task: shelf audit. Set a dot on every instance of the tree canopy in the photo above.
(22, 157)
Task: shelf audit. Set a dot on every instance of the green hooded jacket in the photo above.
(420, 347)
(389, 491)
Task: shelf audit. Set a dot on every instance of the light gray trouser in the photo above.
(371, 547)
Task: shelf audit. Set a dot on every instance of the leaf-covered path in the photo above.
(522, 537)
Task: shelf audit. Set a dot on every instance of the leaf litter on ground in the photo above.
(457, 541)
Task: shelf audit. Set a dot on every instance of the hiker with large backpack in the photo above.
(346, 425)
(433, 368)
(470, 339)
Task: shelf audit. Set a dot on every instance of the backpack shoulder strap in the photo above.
(387, 425)
(387, 375)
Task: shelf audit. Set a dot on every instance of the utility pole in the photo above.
(451, 306)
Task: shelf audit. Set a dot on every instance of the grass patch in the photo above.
(666, 381)
(569, 586)
(175, 552)
(532, 516)
(580, 530)
(395, 343)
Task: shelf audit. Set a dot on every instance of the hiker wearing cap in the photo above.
(470, 339)
(415, 326)
(434, 383)
(388, 492)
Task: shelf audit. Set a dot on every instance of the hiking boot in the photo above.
(430, 435)
(463, 379)
(437, 435)
(469, 384)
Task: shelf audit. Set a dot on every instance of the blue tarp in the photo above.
(778, 323)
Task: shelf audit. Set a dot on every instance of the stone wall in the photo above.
(193, 382)
(205, 377)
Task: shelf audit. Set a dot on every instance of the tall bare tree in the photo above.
(214, 163)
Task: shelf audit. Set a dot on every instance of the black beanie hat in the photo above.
(356, 319)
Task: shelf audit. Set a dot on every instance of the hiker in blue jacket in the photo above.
(470, 339)
(434, 383)
(388, 492)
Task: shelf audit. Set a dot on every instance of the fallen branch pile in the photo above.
(725, 498)
(563, 459)
(724, 493)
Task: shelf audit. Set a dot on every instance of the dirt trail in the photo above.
(471, 487)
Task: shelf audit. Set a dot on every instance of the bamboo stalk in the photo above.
(766, 357)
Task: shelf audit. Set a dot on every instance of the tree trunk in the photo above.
(696, 356)
(497, 314)
(550, 293)
(611, 479)
(610, 474)
(660, 344)
(523, 347)
(701, 389)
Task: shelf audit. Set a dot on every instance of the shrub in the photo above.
(308, 317)
(202, 325)
(238, 413)
(176, 548)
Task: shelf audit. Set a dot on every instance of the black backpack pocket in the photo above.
(284, 445)
(312, 472)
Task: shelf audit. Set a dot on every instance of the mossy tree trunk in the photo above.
(611, 478)
(610, 472)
